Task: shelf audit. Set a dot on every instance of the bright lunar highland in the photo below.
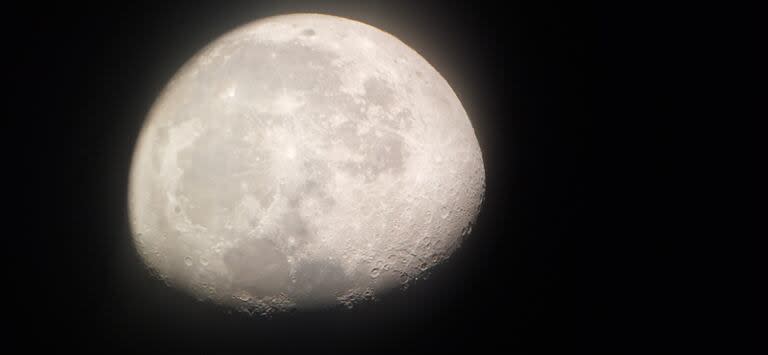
(302, 161)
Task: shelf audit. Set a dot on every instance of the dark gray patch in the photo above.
(258, 267)
(218, 171)
(387, 155)
(347, 132)
(308, 32)
(310, 69)
(310, 186)
(319, 282)
(294, 202)
(161, 138)
(381, 154)
(405, 118)
(377, 92)
(293, 225)
(265, 195)
(328, 201)
(207, 180)
(316, 184)
(162, 135)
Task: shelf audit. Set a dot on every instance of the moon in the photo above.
(303, 161)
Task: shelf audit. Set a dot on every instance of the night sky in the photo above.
(575, 248)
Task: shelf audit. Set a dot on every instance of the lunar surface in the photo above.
(303, 161)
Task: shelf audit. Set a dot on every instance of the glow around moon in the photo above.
(302, 161)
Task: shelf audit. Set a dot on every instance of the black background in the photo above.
(575, 247)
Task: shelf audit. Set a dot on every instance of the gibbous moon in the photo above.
(302, 161)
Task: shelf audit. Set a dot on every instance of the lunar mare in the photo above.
(300, 161)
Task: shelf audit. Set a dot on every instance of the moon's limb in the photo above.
(303, 160)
